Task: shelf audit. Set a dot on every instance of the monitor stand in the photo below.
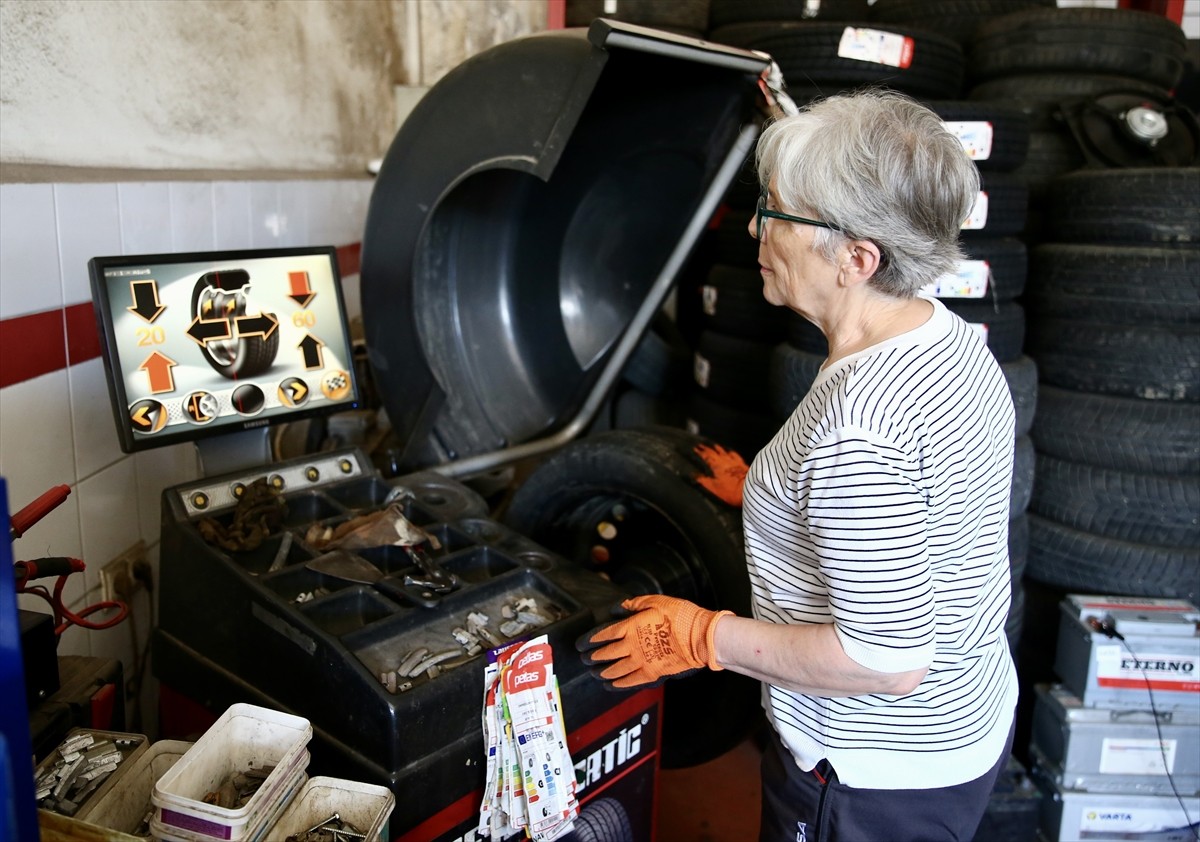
(234, 452)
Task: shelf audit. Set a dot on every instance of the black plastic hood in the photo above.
(529, 210)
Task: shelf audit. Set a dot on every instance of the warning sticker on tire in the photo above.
(969, 280)
(876, 46)
(977, 218)
(974, 135)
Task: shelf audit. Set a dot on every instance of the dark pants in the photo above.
(814, 807)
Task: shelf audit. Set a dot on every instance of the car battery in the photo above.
(1129, 652)
(266, 625)
(1074, 816)
(1111, 750)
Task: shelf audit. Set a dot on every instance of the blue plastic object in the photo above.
(18, 816)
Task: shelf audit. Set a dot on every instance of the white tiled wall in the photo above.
(58, 428)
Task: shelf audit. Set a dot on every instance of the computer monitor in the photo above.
(209, 343)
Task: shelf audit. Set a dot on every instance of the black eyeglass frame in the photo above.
(762, 211)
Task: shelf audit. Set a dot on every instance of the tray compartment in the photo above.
(381, 646)
(363, 495)
(309, 507)
(347, 610)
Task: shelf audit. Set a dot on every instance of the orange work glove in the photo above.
(666, 637)
(728, 473)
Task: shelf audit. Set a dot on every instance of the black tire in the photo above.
(673, 537)
(1008, 265)
(662, 359)
(1153, 362)
(736, 428)
(1007, 206)
(1009, 126)
(1040, 95)
(1137, 507)
(1124, 284)
(1015, 623)
(1052, 153)
(791, 375)
(238, 356)
(1024, 463)
(1121, 42)
(1127, 207)
(726, 12)
(688, 15)
(732, 243)
(1004, 323)
(807, 53)
(1125, 434)
(957, 19)
(1018, 545)
(603, 820)
(732, 303)
(1021, 375)
(733, 370)
(1083, 563)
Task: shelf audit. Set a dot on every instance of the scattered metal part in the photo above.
(285, 547)
(333, 829)
(512, 628)
(433, 659)
(259, 513)
(237, 790)
(440, 579)
(411, 660)
(84, 763)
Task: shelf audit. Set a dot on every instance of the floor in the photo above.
(716, 801)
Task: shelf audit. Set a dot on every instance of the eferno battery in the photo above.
(1110, 750)
(1133, 654)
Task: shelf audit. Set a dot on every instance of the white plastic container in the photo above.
(258, 831)
(366, 806)
(123, 808)
(245, 737)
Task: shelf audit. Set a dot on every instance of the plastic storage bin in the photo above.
(257, 829)
(132, 747)
(123, 808)
(245, 737)
(365, 806)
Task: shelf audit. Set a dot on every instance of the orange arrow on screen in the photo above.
(158, 365)
(301, 288)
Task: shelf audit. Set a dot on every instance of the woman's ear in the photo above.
(861, 263)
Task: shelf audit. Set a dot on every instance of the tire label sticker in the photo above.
(970, 280)
(977, 218)
(700, 370)
(876, 46)
(981, 330)
(1136, 757)
(708, 295)
(974, 135)
(1117, 669)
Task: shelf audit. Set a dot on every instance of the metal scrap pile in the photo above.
(84, 764)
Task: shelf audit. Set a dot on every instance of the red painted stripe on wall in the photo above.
(31, 346)
(41, 343)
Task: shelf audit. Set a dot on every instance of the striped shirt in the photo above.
(882, 506)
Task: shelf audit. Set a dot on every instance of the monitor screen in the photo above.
(201, 344)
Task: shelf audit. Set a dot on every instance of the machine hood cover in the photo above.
(521, 216)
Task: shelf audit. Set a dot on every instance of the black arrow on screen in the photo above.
(145, 300)
(206, 330)
(311, 347)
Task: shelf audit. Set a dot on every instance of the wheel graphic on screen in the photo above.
(234, 343)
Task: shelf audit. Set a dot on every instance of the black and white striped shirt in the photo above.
(882, 506)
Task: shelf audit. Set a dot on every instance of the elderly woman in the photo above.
(876, 520)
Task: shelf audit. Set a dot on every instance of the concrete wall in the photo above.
(219, 85)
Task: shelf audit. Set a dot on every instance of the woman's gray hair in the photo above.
(880, 167)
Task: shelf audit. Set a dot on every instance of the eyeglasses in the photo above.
(762, 211)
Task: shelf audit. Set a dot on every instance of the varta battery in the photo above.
(1130, 653)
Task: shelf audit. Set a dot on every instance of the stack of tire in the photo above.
(1043, 59)
(683, 17)
(1115, 328)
